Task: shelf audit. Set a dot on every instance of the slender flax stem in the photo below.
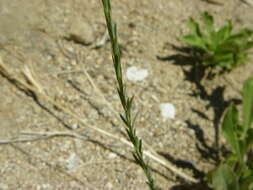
(126, 101)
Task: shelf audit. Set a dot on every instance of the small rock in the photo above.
(73, 161)
(75, 186)
(168, 111)
(112, 155)
(46, 186)
(81, 32)
(75, 126)
(136, 74)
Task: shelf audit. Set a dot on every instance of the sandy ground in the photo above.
(56, 39)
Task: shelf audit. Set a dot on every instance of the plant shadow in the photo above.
(197, 174)
(198, 186)
(189, 59)
(184, 165)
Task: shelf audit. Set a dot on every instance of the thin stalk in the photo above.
(126, 101)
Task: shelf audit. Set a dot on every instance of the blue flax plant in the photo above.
(126, 102)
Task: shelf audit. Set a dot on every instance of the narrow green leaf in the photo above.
(194, 40)
(243, 35)
(231, 160)
(248, 45)
(249, 139)
(228, 46)
(124, 119)
(194, 27)
(247, 104)
(223, 57)
(229, 128)
(243, 152)
(208, 22)
(223, 60)
(224, 32)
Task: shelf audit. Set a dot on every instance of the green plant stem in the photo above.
(126, 102)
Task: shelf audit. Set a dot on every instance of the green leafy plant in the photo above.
(219, 48)
(126, 102)
(236, 171)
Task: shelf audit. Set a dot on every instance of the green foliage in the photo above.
(236, 171)
(126, 102)
(221, 47)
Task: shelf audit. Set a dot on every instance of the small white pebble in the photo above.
(112, 155)
(73, 161)
(109, 186)
(75, 126)
(168, 110)
(136, 74)
(46, 186)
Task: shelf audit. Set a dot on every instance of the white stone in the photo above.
(73, 161)
(168, 110)
(46, 186)
(136, 74)
(112, 155)
(75, 126)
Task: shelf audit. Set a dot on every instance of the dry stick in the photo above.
(99, 92)
(54, 134)
(157, 158)
(42, 136)
(20, 140)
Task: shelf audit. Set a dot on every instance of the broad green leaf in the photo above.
(208, 22)
(194, 40)
(247, 182)
(231, 160)
(229, 127)
(247, 173)
(224, 179)
(247, 104)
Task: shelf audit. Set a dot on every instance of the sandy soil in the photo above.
(57, 39)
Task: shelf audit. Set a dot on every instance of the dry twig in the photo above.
(31, 86)
(41, 136)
